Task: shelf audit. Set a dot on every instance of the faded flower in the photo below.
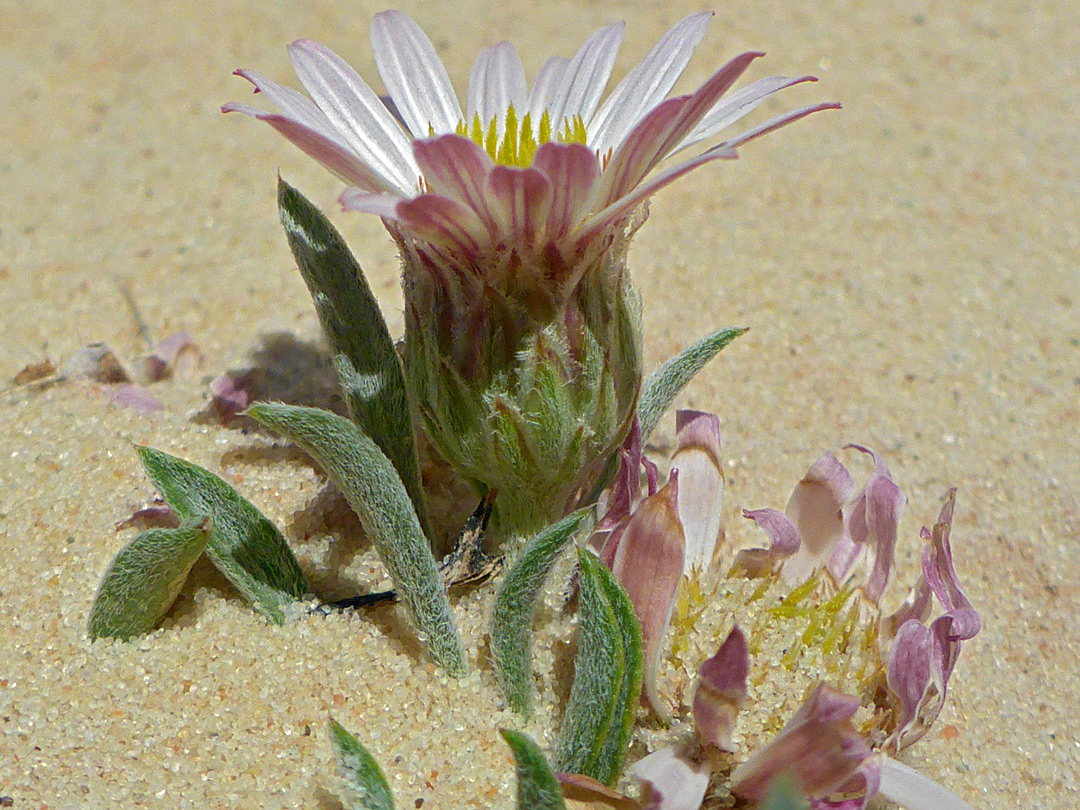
(513, 217)
(814, 681)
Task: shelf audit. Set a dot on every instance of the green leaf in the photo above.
(245, 546)
(372, 487)
(144, 579)
(609, 763)
(365, 785)
(537, 786)
(664, 384)
(515, 605)
(364, 354)
(607, 678)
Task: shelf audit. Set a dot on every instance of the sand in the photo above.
(908, 267)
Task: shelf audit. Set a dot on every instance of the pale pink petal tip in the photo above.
(721, 691)
(819, 748)
(230, 394)
(649, 564)
(585, 793)
(816, 508)
(701, 485)
(134, 396)
(175, 354)
(671, 783)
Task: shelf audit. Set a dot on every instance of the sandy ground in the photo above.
(908, 268)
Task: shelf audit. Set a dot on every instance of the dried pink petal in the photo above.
(649, 564)
(230, 394)
(175, 350)
(819, 748)
(783, 542)
(922, 659)
(721, 691)
(816, 510)
(132, 395)
(701, 485)
(872, 525)
(671, 783)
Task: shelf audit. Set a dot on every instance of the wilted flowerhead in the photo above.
(802, 618)
(513, 217)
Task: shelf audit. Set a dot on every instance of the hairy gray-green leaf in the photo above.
(664, 384)
(364, 354)
(144, 579)
(365, 785)
(515, 605)
(244, 545)
(598, 675)
(612, 756)
(537, 787)
(372, 487)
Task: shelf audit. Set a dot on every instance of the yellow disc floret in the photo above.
(519, 143)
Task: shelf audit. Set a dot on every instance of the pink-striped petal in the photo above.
(414, 75)
(430, 217)
(519, 199)
(293, 104)
(357, 115)
(497, 81)
(340, 161)
(701, 485)
(574, 172)
(542, 94)
(779, 121)
(647, 84)
(663, 129)
(908, 676)
(739, 104)
(583, 82)
(721, 691)
(816, 509)
(649, 564)
(457, 168)
(671, 783)
(619, 209)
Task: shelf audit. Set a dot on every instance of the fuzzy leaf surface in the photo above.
(244, 545)
(144, 579)
(607, 678)
(537, 786)
(365, 784)
(515, 606)
(664, 384)
(364, 355)
(372, 487)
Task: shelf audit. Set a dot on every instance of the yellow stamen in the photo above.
(519, 141)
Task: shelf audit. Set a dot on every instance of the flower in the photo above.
(804, 618)
(513, 218)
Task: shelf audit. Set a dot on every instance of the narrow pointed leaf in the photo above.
(144, 579)
(607, 678)
(664, 384)
(515, 606)
(372, 487)
(537, 786)
(364, 355)
(612, 756)
(244, 546)
(365, 786)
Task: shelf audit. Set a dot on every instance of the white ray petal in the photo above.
(357, 114)
(647, 84)
(585, 78)
(497, 80)
(542, 95)
(414, 75)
